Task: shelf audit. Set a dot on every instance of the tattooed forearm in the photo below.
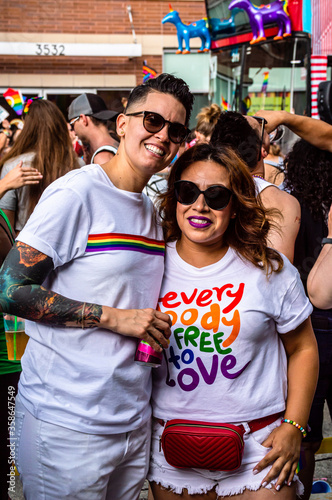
(21, 293)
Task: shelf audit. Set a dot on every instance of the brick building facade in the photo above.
(43, 44)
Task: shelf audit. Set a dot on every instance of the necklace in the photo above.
(260, 176)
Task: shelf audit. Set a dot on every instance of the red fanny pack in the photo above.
(202, 445)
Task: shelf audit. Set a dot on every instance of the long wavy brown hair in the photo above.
(45, 133)
(247, 232)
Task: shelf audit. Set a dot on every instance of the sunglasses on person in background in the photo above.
(153, 123)
(71, 123)
(262, 123)
(216, 197)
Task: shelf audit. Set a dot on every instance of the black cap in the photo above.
(90, 105)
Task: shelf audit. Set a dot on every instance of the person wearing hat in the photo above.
(88, 116)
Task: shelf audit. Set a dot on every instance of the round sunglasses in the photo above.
(216, 197)
(153, 123)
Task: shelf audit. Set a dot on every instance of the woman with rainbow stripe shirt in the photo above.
(86, 272)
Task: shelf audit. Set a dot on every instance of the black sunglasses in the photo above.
(216, 197)
(153, 123)
(262, 123)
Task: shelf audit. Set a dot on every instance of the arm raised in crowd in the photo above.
(320, 277)
(316, 132)
(22, 294)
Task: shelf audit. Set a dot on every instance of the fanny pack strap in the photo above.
(254, 425)
(260, 423)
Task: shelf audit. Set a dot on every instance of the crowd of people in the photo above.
(222, 272)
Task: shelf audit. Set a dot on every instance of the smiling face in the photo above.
(148, 153)
(199, 224)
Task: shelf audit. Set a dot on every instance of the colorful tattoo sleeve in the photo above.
(21, 293)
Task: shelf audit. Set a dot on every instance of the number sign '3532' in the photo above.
(71, 49)
(50, 49)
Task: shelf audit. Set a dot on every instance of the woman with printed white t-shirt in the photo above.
(242, 348)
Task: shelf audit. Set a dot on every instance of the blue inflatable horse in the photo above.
(199, 29)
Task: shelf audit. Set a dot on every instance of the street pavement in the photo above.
(323, 470)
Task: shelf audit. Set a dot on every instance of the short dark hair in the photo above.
(166, 84)
(233, 130)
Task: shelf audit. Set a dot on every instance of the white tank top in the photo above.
(111, 149)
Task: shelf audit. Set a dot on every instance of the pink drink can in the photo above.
(147, 356)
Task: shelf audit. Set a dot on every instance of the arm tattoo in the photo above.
(21, 293)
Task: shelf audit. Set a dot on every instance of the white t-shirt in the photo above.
(107, 249)
(226, 362)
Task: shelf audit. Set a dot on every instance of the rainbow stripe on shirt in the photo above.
(119, 241)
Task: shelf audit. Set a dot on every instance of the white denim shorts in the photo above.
(199, 481)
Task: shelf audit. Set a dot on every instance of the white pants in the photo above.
(56, 463)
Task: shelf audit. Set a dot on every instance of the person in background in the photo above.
(320, 279)
(86, 271)
(11, 131)
(43, 144)
(308, 176)
(316, 132)
(240, 318)
(88, 116)
(4, 141)
(249, 139)
(274, 166)
(205, 122)
(76, 143)
(16, 127)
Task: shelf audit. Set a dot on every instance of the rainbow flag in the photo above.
(117, 241)
(265, 82)
(224, 103)
(29, 101)
(15, 100)
(245, 105)
(148, 72)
